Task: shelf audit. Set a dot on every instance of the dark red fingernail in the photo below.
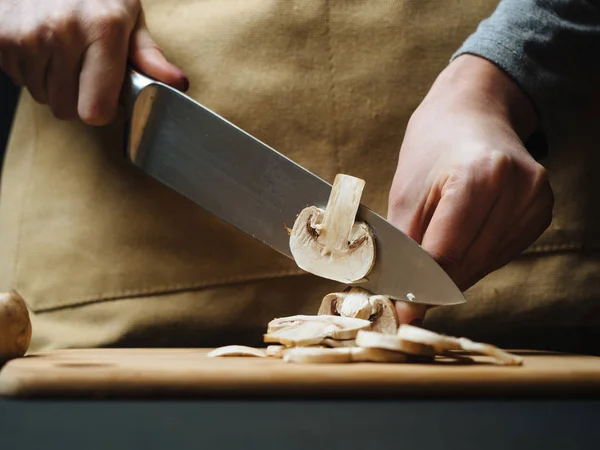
(417, 323)
(186, 84)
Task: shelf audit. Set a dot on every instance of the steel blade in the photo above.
(258, 190)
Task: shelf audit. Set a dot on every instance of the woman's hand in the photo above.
(465, 187)
(72, 54)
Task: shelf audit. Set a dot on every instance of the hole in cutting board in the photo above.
(82, 364)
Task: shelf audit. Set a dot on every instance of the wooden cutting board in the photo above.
(189, 372)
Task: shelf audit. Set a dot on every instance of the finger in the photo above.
(410, 313)
(535, 220)
(146, 56)
(101, 78)
(492, 237)
(533, 217)
(63, 84)
(467, 199)
(35, 69)
(411, 215)
(12, 67)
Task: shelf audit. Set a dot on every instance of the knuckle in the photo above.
(112, 25)
(540, 177)
(541, 186)
(398, 200)
(496, 165)
(30, 39)
(7, 40)
(60, 30)
(486, 169)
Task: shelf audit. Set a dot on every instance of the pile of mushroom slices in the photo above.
(357, 326)
(354, 325)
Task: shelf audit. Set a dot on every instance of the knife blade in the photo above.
(258, 190)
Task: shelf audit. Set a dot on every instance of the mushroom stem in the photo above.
(340, 214)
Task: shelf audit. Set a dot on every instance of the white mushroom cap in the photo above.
(330, 243)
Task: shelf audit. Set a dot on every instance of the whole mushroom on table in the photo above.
(15, 326)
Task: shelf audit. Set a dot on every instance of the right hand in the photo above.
(73, 54)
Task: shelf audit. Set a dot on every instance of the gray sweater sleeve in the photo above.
(551, 48)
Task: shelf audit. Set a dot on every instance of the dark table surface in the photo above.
(299, 424)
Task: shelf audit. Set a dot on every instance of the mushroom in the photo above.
(383, 318)
(303, 331)
(364, 354)
(301, 334)
(329, 304)
(438, 341)
(490, 350)
(275, 351)
(341, 355)
(360, 303)
(339, 342)
(371, 339)
(443, 344)
(330, 243)
(341, 327)
(354, 302)
(15, 326)
(236, 350)
(318, 355)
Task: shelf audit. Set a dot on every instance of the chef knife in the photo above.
(258, 190)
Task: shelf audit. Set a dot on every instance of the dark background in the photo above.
(8, 100)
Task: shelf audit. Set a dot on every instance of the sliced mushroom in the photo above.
(236, 350)
(490, 350)
(360, 303)
(364, 354)
(341, 355)
(337, 327)
(371, 339)
(353, 302)
(456, 356)
(384, 318)
(339, 342)
(275, 351)
(443, 343)
(422, 336)
(318, 355)
(15, 326)
(356, 303)
(330, 243)
(330, 303)
(301, 334)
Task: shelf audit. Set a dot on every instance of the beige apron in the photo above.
(106, 256)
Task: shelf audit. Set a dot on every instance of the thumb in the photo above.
(410, 313)
(146, 56)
